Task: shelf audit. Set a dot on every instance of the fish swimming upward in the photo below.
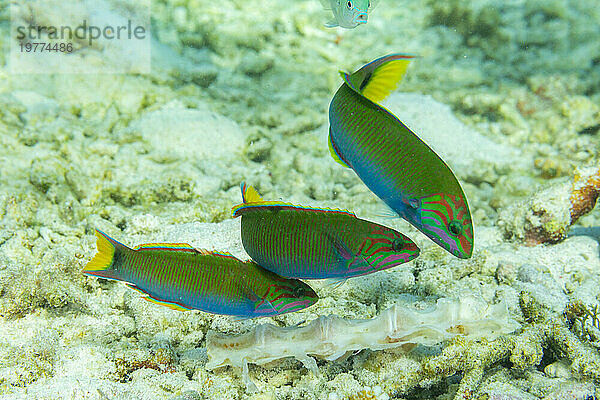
(348, 14)
(392, 161)
(313, 243)
(180, 277)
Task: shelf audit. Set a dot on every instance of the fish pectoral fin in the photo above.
(340, 247)
(259, 304)
(331, 24)
(334, 153)
(351, 259)
(264, 306)
(360, 261)
(241, 278)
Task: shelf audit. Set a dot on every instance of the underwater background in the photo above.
(506, 92)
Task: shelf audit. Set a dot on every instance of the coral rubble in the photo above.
(549, 213)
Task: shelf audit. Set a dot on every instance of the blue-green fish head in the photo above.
(446, 220)
(348, 13)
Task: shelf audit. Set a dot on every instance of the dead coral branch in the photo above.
(548, 214)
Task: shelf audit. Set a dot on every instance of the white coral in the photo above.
(331, 337)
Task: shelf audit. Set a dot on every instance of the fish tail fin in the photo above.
(102, 264)
(377, 79)
(249, 196)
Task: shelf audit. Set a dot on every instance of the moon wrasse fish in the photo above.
(181, 277)
(314, 243)
(393, 161)
(348, 13)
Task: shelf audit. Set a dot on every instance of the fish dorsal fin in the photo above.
(334, 154)
(242, 209)
(167, 247)
(253, 202)
(377, 79)
(224, 254)
(249, 194)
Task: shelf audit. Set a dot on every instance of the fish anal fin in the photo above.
(336, 283)
(169, 304)
(155, 300)
(331, 24)
(334, 154)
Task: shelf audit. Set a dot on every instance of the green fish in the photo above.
(181, 277)
(315, 243)
(393, 161)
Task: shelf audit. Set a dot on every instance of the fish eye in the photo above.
(397, 244)
(455, 228)
(349, 4)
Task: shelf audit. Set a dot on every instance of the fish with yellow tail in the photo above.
(316, 243)
(181, 277)
(350, 13)
(393, 161)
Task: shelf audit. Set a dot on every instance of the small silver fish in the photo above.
(348, 13)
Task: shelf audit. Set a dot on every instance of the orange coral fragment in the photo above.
(584, 194)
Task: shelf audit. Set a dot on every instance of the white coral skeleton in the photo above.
(331, 337)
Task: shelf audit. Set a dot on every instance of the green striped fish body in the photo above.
(178, 276)
(311, 243)
(394, 162)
